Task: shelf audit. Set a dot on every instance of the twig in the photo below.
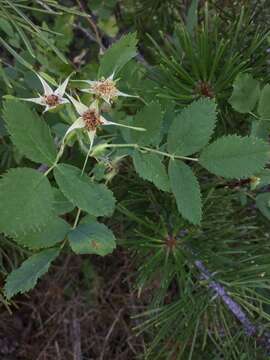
(57, 349)
(86, 32)
(48, 343)
(236, 309)
(110, 332)
(92, 24)
(249, 328)
(77, 348)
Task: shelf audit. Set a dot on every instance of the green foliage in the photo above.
(104, 8)
(192, 16)
(150, 119)
(24, 32)
(61, 204)
(150, 167)
(200, 51)
(150, 16)
(191, 130)
(260, 129)
(206, 62)
(118, 55)
(93, 238)
(246, 93)
(25, 277)
(263, 204)
(186, 190)
(234, 156)
(63, 25)
(48, 235)
(264, 104)
(96, 199)
(166, 248)
(26, 201)
(29, 133)
(263, 177)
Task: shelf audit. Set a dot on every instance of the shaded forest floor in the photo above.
(82, 309)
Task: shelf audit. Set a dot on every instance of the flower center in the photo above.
(52, 100)
(91, 120)
(105, 88)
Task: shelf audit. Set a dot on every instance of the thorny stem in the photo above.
(144, 148)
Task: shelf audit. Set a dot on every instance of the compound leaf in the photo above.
(30, 134)
(61, 204)
(48, 235)
(118, 55)
(25, 277)
(235, 156)
(246, 93)
(150, 167)
(149, 118)
(26, 201)
(96, 199)
(186, 190)
(191, 130)
(92, 238)
(264, 103)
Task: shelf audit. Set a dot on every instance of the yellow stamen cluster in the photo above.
(91, 119)
(105, 88)
(51, 100)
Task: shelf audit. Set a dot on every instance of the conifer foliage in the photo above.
(157, 143)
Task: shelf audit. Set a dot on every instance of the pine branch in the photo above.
(249, 328)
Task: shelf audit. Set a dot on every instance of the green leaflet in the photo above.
(25, 277)
(260, 129)
(263, 204)
(186, 190)
(235, 156)
(246, 93)
(26, 201)
(61, 204)
(264, 103)
(118, 55)
(93, 238)
(48, 235)
(29, 133)
(96, 199)
(191, 130)
(150, 167)
(87, 219)
(149, 118)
